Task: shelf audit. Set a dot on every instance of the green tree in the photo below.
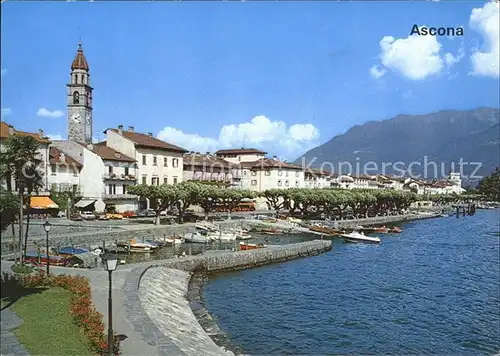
(9, 206)
(489, 186)
(231, 198)
(19, 162)
(277, 198)
(33, 181)
(164, 196)
(188, 195)
(208, 196)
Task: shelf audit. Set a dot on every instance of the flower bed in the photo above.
(83, 312)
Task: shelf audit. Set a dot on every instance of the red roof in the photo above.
(318, 172)
(206, 161)
(240, 151)
(55, 157)
(142, 140)
(109, 154)
(80, 62)
(269, 163)
(4, 133)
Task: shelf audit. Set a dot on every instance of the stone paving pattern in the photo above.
(8, 342)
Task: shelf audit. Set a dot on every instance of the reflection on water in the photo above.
(433, 289)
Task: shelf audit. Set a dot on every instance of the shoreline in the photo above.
(165, 305)
(197, 304)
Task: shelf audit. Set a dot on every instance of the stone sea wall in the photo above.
(157, 305)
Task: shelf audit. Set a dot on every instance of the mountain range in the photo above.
(442, 137)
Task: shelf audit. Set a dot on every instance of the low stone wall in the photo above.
(379, 220)
(157, 305)
(36, 229)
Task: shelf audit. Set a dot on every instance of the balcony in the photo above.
(212, 177)
(107, 196)
(74, 189)
(120, 177)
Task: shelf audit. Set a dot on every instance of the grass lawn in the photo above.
(48, 328)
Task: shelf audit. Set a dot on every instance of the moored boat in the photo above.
(35, 257)
(241, 234)
(325, 230)
(222, 236)
(360, 237)
(206, 226)
(70, 251)
(272, 231)
(396, 229)
(381, 230)
(135, 246)
(193, 237)
(246, 246)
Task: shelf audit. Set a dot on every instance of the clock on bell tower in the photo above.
(80, 100)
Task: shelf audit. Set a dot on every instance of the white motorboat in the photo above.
(173, 240)
(360, 237)
(194, 237)
(138, 246)
(241, 234)
(206, 226)
(223, 236)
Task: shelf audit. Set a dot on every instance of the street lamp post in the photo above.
(46, 227)
(110, 263)
(229, 209)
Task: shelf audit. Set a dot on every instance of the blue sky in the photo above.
(281, 76)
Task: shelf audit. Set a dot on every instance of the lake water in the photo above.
(433, 289)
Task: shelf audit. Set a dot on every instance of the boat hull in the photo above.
(363, 239)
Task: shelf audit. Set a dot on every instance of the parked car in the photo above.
(129, 214)
(87, 215)
(114, 216)
(103, 217)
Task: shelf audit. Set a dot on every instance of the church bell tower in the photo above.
(80, 100)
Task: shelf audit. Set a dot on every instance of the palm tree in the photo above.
(18, 162)
(33, 182)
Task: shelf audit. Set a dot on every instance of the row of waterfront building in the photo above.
(102, 171)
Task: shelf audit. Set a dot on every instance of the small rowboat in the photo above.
(245, 246)
(34, 257)
(272, 231)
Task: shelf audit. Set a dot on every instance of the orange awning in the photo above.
(42, 203)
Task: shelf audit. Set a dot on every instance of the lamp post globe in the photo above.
(110, 262)
(46, 226)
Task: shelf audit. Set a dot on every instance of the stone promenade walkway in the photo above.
(8, 342)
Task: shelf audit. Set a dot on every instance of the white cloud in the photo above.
(6, 111)
(260, 132)
(55, 137)
(192, 142)
(3, 72)
(47, 113)
(485, 20)
(377, 71)
(450, 59)
(416, 57)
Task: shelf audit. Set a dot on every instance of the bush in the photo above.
(83, 312)
(22, 269)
